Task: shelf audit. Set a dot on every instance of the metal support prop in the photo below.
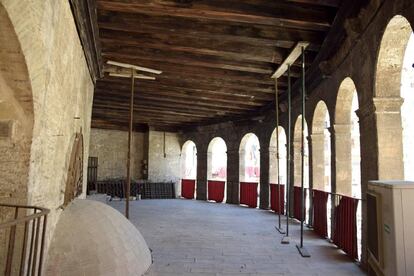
(286, 238)
(131, 118)
(303, 252)
(279, 227)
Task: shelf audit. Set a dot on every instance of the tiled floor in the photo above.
(191, 237)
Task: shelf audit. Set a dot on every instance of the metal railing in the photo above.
(24, 239)
(343, 221)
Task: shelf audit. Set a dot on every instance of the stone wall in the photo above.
(164, 161)
(111, 147)
(62, 92)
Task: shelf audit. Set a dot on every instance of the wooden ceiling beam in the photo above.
(143, 54)
(288, 16)
(208, 83)
(184, 96)
(227, 94)
(170, 106)
(255, 34)
(178, 70)
(174, 100)
(160, 110)
(327, 3)
(139, 118)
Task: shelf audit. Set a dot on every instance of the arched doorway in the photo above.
(188, 169)
(249, 169)
(217, 169)
(347, 147)
(189, 160)
(273, 170)
(297, 167)
(321, 156)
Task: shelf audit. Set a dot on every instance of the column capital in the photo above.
(380, 105)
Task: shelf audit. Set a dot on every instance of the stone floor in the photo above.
(191, 237)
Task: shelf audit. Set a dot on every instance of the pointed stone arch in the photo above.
(16, 115)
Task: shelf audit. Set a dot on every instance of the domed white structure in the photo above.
(92, 238)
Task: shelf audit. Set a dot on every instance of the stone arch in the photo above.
(297, 165)
(249, 158)
(321, 151)
(273, 174)
(388, 100)
(189, 160)
(347, 150)
(16, 115)
(391, 56)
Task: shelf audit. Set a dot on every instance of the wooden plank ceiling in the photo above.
(217, 56)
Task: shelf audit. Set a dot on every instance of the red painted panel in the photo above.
(216, 190)
(274, 198)
(320, 199)
(345, 231)
(248, 194)
(187, 188)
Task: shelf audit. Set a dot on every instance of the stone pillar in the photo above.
(341, 161)
(202, 173)
(318, 161)
(264, 178)
(381, 149)
(242, 164)
(233, 176)
(390, 142)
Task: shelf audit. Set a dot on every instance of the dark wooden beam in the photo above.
(85, 16)
(186, 97)
(255, 34)
(222, 94)
(280, 14)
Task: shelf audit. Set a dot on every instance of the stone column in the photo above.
(264, 178)
(202, 173)
(381, 149)
(233, 176)
(341, 161)
(390, 142)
